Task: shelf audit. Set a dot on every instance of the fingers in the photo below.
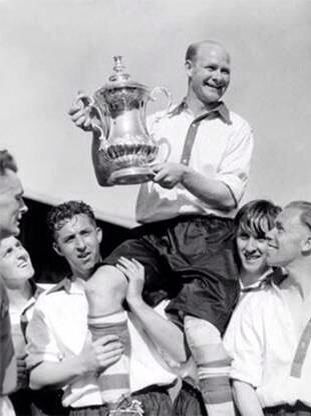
(132, 269)
(108, 359)
(106, 339)
(132, 264)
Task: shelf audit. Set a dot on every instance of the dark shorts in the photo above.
(155, 401)
(189, 260)
(285, 410)
(189, 402)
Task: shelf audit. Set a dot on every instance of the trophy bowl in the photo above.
(127, 148)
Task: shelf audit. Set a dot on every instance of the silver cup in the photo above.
(128, 149)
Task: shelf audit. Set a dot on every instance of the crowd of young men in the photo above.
(98, 335)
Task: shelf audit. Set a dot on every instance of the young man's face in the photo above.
(15, 264)
(287, 239)
(12, 205)
(78, 241)
(252, 251)
(209, 73)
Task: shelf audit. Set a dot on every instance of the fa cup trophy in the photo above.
(128, 149)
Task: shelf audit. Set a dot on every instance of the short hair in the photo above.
(257, 217)
(305, 211)
(59, 215)
(193, 48)
(7, 162)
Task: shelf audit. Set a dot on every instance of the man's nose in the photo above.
(217, 75)
(80, 243)
(251, 244)
(22, 253)
(23, 207)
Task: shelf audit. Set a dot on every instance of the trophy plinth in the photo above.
(127, 148)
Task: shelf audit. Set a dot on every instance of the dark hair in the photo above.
(6, 162)
(257, 217)
(305, 211)
(59, 215)
(193, 48)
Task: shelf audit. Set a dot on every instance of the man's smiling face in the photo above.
(287, 239)
(209, 73)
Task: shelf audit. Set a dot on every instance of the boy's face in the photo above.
(15, 264)
(252, 250)
(78, 241)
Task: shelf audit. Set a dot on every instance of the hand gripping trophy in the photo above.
(128, 149)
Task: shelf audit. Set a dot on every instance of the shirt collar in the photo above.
(259, 284)
(69, 284)
(273, 276)
(220, 110)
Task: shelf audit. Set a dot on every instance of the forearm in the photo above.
(211, 191)
(56, 374)
(10, 378)
(101, 166)
(161, 331)
(246, 399)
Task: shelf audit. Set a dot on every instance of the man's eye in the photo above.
(68, 240)
(243, 236)
(7, 252)
(261, 240)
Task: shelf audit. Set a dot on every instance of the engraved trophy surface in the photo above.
(128, 149)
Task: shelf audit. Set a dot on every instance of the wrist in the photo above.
(186, 172)
(83, 365)
(135, 302)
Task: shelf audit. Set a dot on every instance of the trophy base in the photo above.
(131, 176)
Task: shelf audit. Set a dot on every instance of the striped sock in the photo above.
(214, 381)
(213, 366)
(114, 382)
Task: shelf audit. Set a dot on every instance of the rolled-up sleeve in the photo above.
(235, 166)
(41, 344)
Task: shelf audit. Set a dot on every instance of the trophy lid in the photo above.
(120, 78)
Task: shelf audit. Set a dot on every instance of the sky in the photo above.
(51, 49)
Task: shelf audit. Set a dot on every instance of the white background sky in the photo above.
(52, 48)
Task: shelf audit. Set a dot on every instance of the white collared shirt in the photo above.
(222, 150)
(264, 346)
(59, 330)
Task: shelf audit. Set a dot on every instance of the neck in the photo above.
(19, 297)
(299, 275)
(248, 278)
(196, 106)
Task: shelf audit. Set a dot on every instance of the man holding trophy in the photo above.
(185, 205)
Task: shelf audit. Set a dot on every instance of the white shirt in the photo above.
(58, 329)
(222, 150)
(6, 407)
(234, 323)
(263, 348)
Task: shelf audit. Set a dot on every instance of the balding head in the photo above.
(193, 49)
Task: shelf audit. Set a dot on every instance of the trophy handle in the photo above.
(90, 106)
(152, 97)
(163, 143)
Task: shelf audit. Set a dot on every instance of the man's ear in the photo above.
(306, 249)
(99, 233)
(57, 249)
(188, 67)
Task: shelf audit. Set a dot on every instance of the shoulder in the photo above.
(238, 121)
(47, 295)
(254, 304)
